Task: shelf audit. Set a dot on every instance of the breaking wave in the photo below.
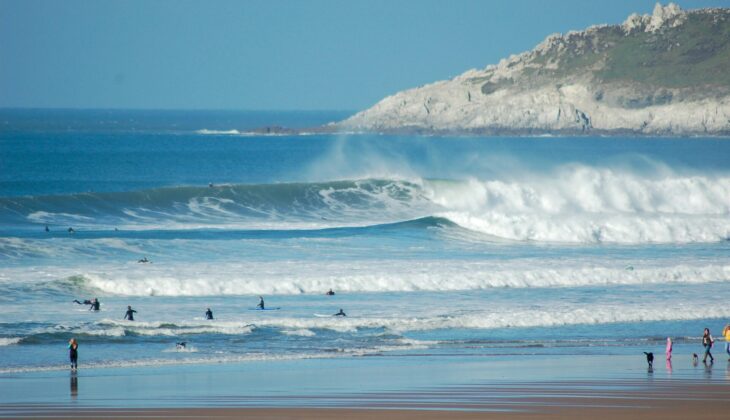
(196, 279)
(575, 204)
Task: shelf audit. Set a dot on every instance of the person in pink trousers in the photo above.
(669, 348)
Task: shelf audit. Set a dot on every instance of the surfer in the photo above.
(707, 342)
(330, 293)
(144, 260)
(93, 302)
(47, 230)
(71, 230)
(341, 313)
(73, 352)
(261, 303)
(130, 313)
(208, 314)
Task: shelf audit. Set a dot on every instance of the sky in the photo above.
(267, 55)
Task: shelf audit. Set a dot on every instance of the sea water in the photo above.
(445, 246)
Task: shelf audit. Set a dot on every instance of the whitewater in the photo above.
(433, 245)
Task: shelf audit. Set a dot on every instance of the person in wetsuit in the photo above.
(341, 313)
(330, 293)
(95, 305)
(130, 313)
(208, 314)
(261, 303)
(85, 302)
(73, 353)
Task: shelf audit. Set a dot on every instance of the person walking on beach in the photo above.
(261, 303)
(208, 314)
(707, 342)
(669, 348)
(726, 334)
(73, 353)
(130, 313)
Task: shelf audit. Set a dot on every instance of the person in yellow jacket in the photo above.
(726, 334)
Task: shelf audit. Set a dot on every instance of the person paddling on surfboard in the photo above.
(341, 313)
(261, 303)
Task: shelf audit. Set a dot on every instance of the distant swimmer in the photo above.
(208, 314)
(330, 293)
(85, 302)
(71, 230)
(210, 185)
(73, 353)
(261, 303)
(47, 230)
(341, 313)
(130, 313)
(181, 345)
(143, 260)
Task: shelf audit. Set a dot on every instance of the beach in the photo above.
(425, 387)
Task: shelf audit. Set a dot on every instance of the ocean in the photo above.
(445, 246)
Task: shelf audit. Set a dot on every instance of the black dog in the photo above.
(649, 359)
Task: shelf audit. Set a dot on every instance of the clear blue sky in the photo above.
(271, 54)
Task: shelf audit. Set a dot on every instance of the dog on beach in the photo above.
(649, 359)
(695, 359)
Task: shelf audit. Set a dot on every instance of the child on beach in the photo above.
(707, 342)
(669, 348)
(73, 352)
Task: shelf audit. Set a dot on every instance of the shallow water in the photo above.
(483, 246)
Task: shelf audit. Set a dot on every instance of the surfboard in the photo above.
(265, 309)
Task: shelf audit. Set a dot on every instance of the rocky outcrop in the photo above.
(659, 74)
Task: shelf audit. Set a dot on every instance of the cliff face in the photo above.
(667, 73)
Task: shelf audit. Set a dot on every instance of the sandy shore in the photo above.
(661, 399)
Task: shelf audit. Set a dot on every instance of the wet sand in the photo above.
(425, 387)
(610, 399)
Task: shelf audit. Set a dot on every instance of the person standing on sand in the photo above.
(726, 334)
(73, 353)
(707, 342)
(130, 313)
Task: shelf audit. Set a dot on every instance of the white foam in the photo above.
(8, 341)
(198, 279)
(586, 205)
(218, 132)
(300, 333)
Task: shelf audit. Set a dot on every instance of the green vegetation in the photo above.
(694, 54)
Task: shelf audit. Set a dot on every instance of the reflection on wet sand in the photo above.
(74, 385)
